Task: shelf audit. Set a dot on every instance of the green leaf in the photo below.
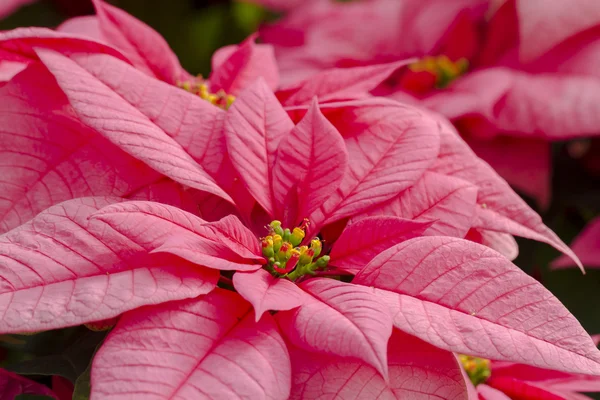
(69, 362)
(83, 386)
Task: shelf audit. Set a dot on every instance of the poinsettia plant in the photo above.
(251, 250)
(512, 75)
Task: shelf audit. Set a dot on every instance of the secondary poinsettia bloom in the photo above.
(280, 325)
(496, 380)
(512, 75)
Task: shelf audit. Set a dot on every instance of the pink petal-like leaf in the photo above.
(49, 157)
(390, 145)
(464, 297)
(87, 25)
(340, 319)
(266, 293)
(254, 126)
(447, 203)
(310, 164)
(168, 192)
(21, 44)
(12, 385)
(195, 124)
(417, 370)
(110, 114)
(543, 25)
(501, 208)
(503, 243)
(225, 244)
(362, 240)
(63, 268)
(244, 66)
(586, 246)
(486, 392)
(338, 84)
(142, 45)
(7, 7)
(209, 347)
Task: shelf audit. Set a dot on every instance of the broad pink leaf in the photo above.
(501, 208)
(254, 126)
(340, 319)
(47, 156)
(364, 239)
(168, 192)
(390, 145)
(87, 25)
(63, 268)
(266, 293)
(225, 244)
(195, 124)
(208, 347)
(244, 66)
(587, 247)
(467, 298)
(417, 370)
(447, 203)
(142, 45)
(104, 110)
(20, 44)
(12, 385)
(543, 25)
(309, 165)
(338, 84)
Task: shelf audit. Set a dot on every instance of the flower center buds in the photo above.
(286, 258)
(200, 88)
(477, 368)
(442, 68)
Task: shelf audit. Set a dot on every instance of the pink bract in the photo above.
(155, 196)
(532, 70)
(587, 247)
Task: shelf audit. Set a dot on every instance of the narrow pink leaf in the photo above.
(543, 25)
(362, 240)
(168, 192)
(47, 156)
(267, 293)
(102, 109)
(225, 244)
(340, 319)
(195, 124)
(254, 126)
(486, 392)
(587, 247)
(503, 243)
(8, 70)
(208, 347)
(87, 25)
(390, 145)
(417, 370)
(310, 164)
(447, 203)
(501, 208)
(337, 84)
(248, 62)
(63, 268)
(21, 44)
(145, 47)
(467, 298)
(12, 385)
(7, 7)
(516, 388)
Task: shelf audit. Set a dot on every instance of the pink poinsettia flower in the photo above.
(503, 380)
(279, 326)
(512, 75)
(7, 7)
(587, 247)
(462, 196)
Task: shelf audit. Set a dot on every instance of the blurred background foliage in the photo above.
(196, 28)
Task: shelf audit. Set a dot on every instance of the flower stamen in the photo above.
(444, 69)
(477, 368)
(286, 258)
(200, 88)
